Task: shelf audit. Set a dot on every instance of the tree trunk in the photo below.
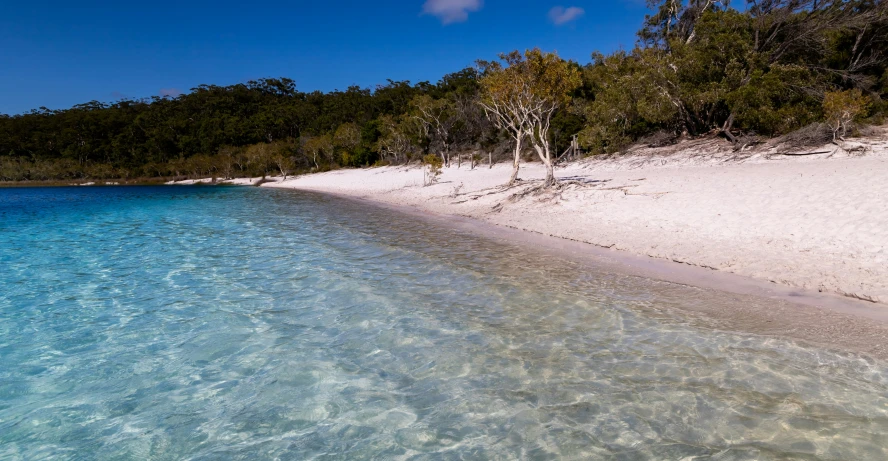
(515, 163)
(542, 149)
(490, 160)
(550, 174)
(514, 173)
(726, 128)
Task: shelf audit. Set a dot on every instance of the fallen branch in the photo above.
(526, 192)
(495, 190)
(622, 188)
(799, 154)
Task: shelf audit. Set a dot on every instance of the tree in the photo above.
(522, 96)
(472, 125)
(281, 156)
(432, 169)
(675, 21)
(347, 138)
(437, 118)
(227, 158)
(319, 147)
(259, 157)
(629, 100)
(761, 67)
(395, 139)
(841, 108)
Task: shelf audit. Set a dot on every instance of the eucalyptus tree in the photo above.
(259, 157)
(762, 67)
(395, 139)
(347, 138)
(522, 96)
(437, 119)
(319, 147)
(227, 158)
(282, 157)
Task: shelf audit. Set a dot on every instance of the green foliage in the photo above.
(433, 165)
(319, 149)
(436, 120)
(707, 68)
(701, 67)
(841, 108)
(354, 143)
(397, 141)
(776, 101)
(623, 106)
(533, 77)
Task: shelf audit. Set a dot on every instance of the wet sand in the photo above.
(726, 301)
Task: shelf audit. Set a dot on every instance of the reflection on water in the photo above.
(207, 323)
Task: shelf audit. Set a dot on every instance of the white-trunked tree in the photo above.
(521, 94)
(437, 119)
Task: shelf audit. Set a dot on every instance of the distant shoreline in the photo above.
(93, 183)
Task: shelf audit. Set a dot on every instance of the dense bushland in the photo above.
(766, 68)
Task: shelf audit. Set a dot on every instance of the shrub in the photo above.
(433, 165)
(840, 108)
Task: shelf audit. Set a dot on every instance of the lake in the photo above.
(242, 323)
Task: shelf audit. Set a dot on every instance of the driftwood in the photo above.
(572, 151)
(800, 154)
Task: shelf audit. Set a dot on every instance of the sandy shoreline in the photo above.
(722, 301)
(815, 223)
(769, 237)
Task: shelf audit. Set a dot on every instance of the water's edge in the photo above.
(824, 319)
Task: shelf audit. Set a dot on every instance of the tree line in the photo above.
(700, 67)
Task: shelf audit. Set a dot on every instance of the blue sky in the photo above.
(56, 54)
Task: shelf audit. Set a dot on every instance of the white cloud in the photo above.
(450, 11)
(561, 15)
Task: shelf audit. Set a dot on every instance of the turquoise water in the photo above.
(238, 323)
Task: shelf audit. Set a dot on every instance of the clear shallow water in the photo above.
(236, 323)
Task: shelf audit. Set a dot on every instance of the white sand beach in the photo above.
(818, 222)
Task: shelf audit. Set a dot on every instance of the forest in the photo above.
(760, 69)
